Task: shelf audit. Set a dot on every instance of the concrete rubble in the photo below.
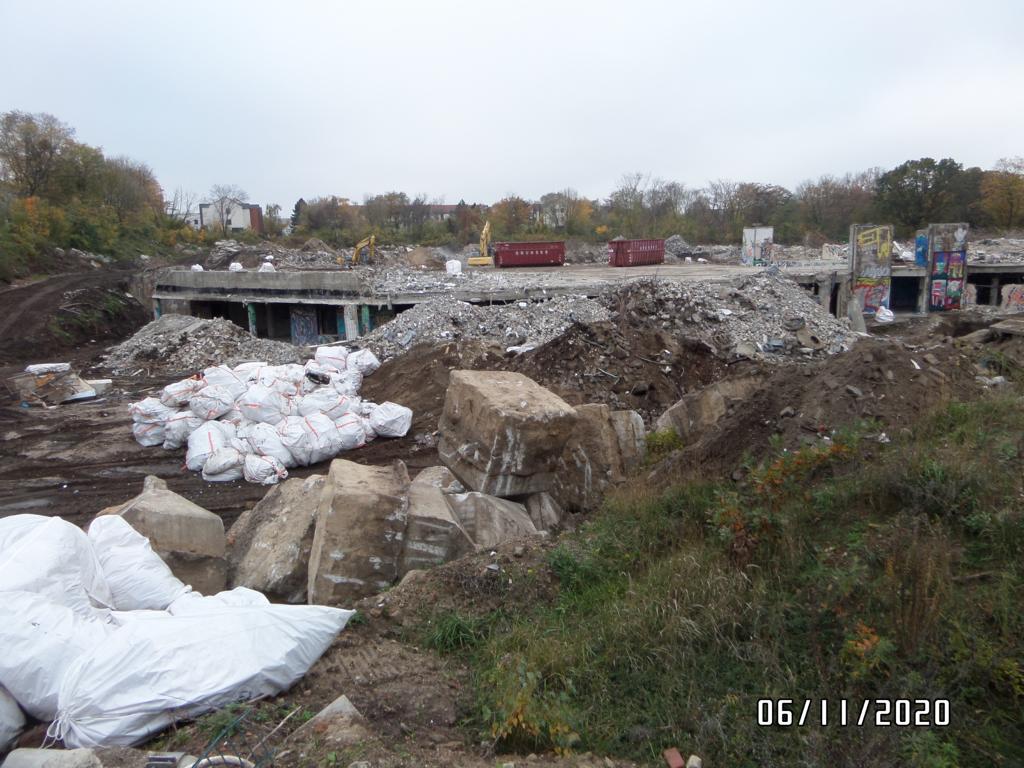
(523, 323)
(188, 538)
(177, 343)
(489, 520)
(52, 758)
(698, 411)
(591, 461)
(502, 433)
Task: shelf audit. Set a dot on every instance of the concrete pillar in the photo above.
(270, 320)
(157, 309)
(351, 321)
(250, 310)
(922, 295)
(994, 297)
(366, 325)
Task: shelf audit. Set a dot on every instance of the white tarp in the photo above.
(12, 721)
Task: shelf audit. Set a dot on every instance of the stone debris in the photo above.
(177, 343)
(591, 461)
(187, 537)
(996, 250)
(518, 324)
(751, 316)
(698, 411)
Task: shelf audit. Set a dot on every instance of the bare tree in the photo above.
(223, 198)
(182, 206)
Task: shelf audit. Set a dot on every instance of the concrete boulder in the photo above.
(502, 433)
(270, 544)
(591, 461)
(52, 758)
(489, 520)
(433, 535)
(187, 537)
(629, 430)
(698, 411)
(544, 510)
(360, 527)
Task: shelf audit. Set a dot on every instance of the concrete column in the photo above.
(250, 310)
(351, 321)
(366, 324)
(157, 309)
(270, 320)
(995, 295)
(922, 294)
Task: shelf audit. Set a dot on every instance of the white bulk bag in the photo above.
(348, 382)
(179, 427)
(150, 673)
(196, 268)
(180, 392)
(366, 407)
(208, 438)
(369, 433)
(149, 435)
(234, 266)
(364, 361)
(193, 602)
(41, 639)
(212, 402)
(53, 558)
(137, 577)
(12, 721)
(262, 403)
(224, 465)
(350, 431)
(391, 419)
(332, 357)
(310, 439)
(222, 376)
(326, 400)
(244, 369)
(150, 411)
(453, 267)
(281, 379)
(236, 417)
(264, 440)
(266, 267)
(265, 470)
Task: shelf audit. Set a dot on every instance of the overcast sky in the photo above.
(478, 100)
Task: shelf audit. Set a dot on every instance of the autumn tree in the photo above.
(30, 146)
(511, 216)
(1002, 193)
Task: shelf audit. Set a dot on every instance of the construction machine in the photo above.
(367, 242)
(484, 259)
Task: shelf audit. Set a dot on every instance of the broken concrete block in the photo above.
(339, 724)
(545, 512)
(701, 410)
(591, 461)
(360, 528)
(270, 544)
(630, 432)
(439, 477)
(187, 537)
(52, 758)
(433, 535)
(502, 433)
(491, 521)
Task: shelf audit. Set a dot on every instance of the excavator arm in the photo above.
(484, 259)
(367, 242)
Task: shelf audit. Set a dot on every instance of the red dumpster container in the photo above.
(635, 253)
(529, 254)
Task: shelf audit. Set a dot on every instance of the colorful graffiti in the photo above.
(921, 248)
(871, 264)
(757, 246)
(1013, 297)
(305, 328)
(947, 256)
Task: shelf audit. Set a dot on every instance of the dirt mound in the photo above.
(66, 313)
(184, 344)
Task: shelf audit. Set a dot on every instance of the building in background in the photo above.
(237, 216)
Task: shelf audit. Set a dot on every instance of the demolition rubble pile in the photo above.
(176, 343)
(102, 638)
(996, 250)
(257, 420)
(512, 325)
(763, 315)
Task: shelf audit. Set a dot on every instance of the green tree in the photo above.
(30, 146)
(920, 192)
(1002, 193)
(300, 206)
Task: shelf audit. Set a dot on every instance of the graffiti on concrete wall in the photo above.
(921, 248)
(947, 271)
(757, 245)
(1013, 297)
(871, 265)
(305, 328)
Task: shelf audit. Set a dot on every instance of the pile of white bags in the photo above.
(255, 421)
(99, 636)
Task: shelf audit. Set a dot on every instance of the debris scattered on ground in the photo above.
(52, 384)
(518, 324)
(178, 343)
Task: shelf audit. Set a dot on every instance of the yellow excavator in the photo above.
(367, 242)
(484, 259)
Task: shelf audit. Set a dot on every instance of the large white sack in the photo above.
(149, 435)
(51, 557)
(137, 577)
(366, 407)
(180, 392)
(329, 402)
(390, 419)
(205, 440)
(310, 439)
(286, 379)
(266, 267)
(369, 433)
(263, 403)
(265, 470)
(150, 673)
(193, 603)
(453, 267)
(351, 432)
(212, 402)
(222, 376)
(12, 721)
(150, 411)
(348, 382)
(179, 427)
(40, 639)
(244, 370)
(265, 440)
(236, 417)
(332, 357)
(235, 266)
(364, 361)
(224, 465)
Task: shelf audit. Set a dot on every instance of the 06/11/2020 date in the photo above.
(901, 713)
